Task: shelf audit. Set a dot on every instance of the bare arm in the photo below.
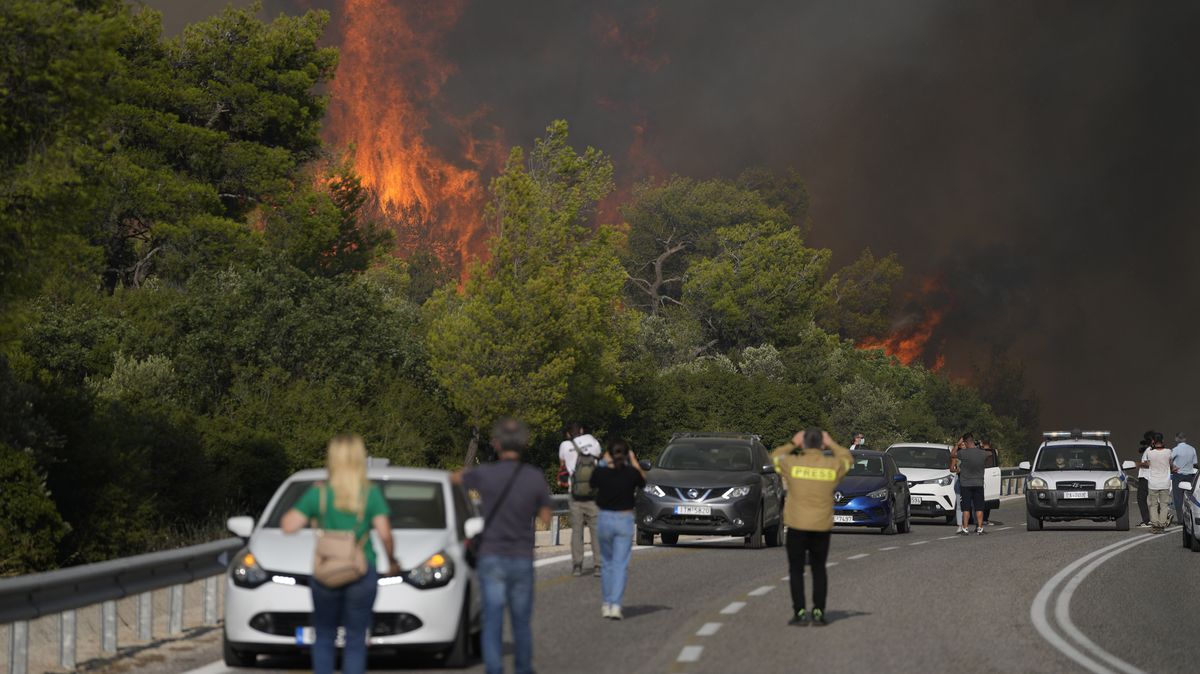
(383, 528)
(293, 521)
(633, 461)
(544, 515)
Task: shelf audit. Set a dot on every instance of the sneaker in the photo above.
(961, 532)
(990, 523)
(596, 571)
(801, 619)
(979, 531)
(577, 570)
(606, 611)
(1144, 525)
(614, 612)
(818, 618)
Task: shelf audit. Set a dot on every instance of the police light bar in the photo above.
(1076, 434)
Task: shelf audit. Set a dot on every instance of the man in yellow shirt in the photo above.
(812, 465)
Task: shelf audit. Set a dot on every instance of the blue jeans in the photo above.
(1176, 478)
(616, 542)
(507, 581)
(350, 607)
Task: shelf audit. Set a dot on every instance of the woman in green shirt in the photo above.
(351, 504)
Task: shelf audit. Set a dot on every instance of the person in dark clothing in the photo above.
(968, 461)
(616, 481)
(1143, 492)
(986, 444)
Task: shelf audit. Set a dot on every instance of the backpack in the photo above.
(585, 465)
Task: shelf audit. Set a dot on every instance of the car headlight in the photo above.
(736, 492)
(1112, 483)
(436, 571)
(945, 481)
(654, 490)
(878, 493)
(245, 571)
(1036, 483)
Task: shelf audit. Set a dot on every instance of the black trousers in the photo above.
(815, 546)
(1142, 496)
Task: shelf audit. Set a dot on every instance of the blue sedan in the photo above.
(873, 494)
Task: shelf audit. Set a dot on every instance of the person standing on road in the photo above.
(811, 465)
(512, 494)
(1158, 461)
(579, 452)
(969, 462)
(986, 445)
(1183, 458)
(859, 442)
(347, 502)
(1143, 492)
(616, 481)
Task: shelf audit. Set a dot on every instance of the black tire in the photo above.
(236, 658)
(774, 536)
(645, 537)
(755, 540)
(459, 653)
(669, 539)
(1187, 538)
(950, 518)
(1195, 543)
(905, 525)
(1034, 524)
(890, 529)
(1123, 521)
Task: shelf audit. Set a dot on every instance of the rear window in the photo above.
(1076, 457)
(414, 504)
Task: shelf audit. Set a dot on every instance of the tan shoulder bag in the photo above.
(339, 559)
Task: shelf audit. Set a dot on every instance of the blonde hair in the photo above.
(347, 463)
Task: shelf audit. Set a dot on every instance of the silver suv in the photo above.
(1076, 476)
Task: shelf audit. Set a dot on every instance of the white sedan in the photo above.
(433, 605)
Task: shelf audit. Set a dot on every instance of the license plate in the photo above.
(914, 500)
(693, 510)
(306, 636)
(843, 519)
(1075, 494)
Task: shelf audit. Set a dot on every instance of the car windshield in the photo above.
(866, 466)
(700, 455)
(921, 457)
(414, 504)
(1076, 457)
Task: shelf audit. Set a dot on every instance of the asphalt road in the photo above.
(1008, 601)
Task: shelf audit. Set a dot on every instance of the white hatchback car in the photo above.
(931, 485)
(434, 605)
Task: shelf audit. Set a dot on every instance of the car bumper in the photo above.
(1051, 504)
(936, 501)
(729, 518)
(264, 619)
(862, 512)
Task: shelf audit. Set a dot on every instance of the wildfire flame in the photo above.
(910, 342)
(386, 92)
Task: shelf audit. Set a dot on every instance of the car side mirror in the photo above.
(1024, 465)
(768, 470)
(473, 527)
(1185, 486)
(241, 527)
(899, 477)
(1128, 465)
(645, 465)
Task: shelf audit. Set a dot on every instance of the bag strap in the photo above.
(503, 495)
(362, 507)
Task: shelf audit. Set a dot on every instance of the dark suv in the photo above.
(712, 484)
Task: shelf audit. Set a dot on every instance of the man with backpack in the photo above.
(579, 452)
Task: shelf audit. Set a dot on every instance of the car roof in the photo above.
(1077, 442)
(380, 473)
(923, 445)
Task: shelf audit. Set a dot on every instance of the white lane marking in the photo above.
(211, 668)
(1003, 528)
(1041, 622)
(858, 556)
(547, 561)
(947, 538)
(830, 564)
(734, 607)
(919, 543)
(758, 592)
(708, 629)
(890, 547)
(786, 578)
(690, 654)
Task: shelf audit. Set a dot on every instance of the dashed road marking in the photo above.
(786, 578)
(758, 592)
(708, 629)
(1003, 528)
(830, 564)
(947, 538)
(919, 543)
(733, 608)
(890, 547)
(690, 654)
(858, 556)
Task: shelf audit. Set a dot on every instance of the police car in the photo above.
(1076, 476)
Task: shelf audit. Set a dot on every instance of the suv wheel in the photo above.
(645, 537)
(774, 535)
(669, 539)
(1034, 524)
(755, 540)
(1123, 521)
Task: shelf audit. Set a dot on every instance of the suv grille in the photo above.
(1074, 485)
(691, 493)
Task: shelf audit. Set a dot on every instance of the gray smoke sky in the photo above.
(1042, 157)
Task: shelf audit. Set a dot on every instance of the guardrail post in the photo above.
(176, 608)
(210, 600)
(18, 647)
(108, 627)
(555, 536)
(145, 616)
(66, 639)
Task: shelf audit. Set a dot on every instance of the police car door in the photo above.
(991, 481)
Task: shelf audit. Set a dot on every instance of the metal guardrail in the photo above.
(1012, 481)
(25, 598)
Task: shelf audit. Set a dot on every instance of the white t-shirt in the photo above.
(589, 445)
(1158, 475)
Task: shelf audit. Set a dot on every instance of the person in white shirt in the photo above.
(1158, 479)
(580, 451)
(1183, 458)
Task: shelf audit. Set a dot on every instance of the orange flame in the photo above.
(386, 91)
(909, 342)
